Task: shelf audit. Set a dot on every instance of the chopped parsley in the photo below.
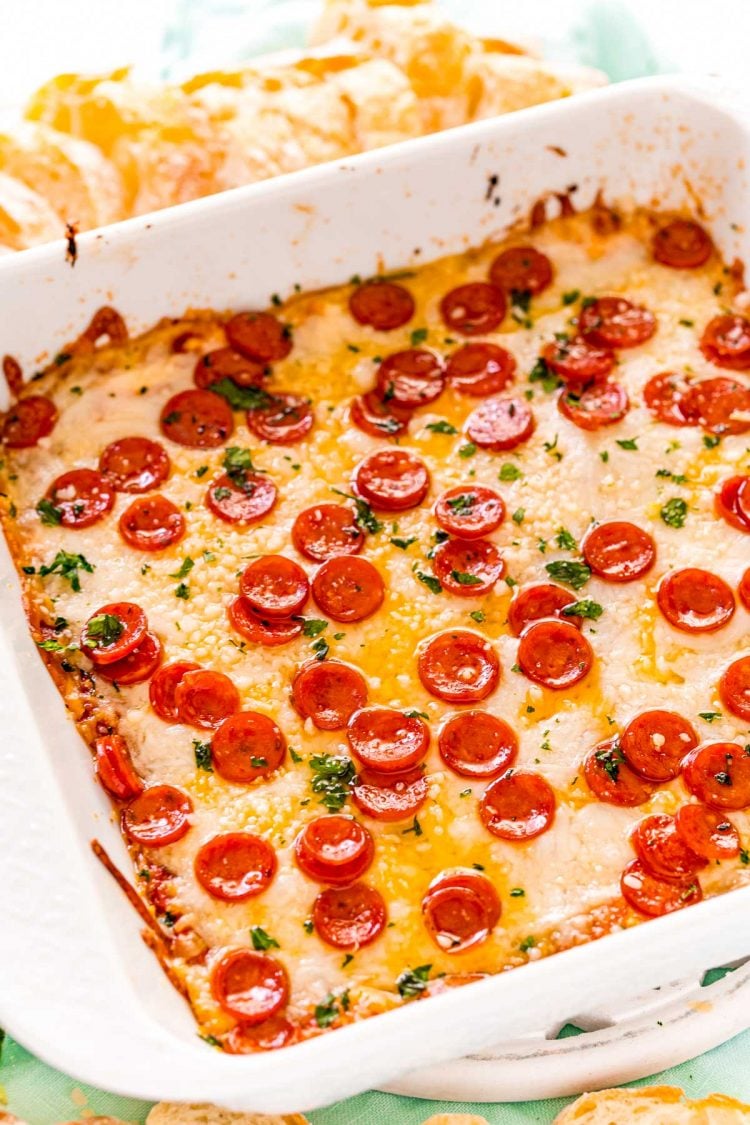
(463, 578)
(527, 944)
(403, 544)
(610, 760)
(332, 775)
(570, 572)
(418, 336)
(584, 608)
(571, 296)
(442, 427)
(104, 630)
(478, 615)
(412, 982)
(312, 626)
(67, 566)
(517, 892)
(185, 567)
(674, 512)
(468, 449)
(237, 463)
(239, 398)
(711, 440)
(565, 540)
(509, 472)
(203, 759)
(364, 516)
(48, 513)
(431, 582)
(518, 515)
(329, 1010)
(627, 443)
(542, 373)
(416, 828)
(709, 716)
(182, 591)
(261, 940)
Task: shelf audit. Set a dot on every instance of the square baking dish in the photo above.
(77, 985)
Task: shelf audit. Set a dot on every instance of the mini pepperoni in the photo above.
(259, 335)
(373, 415)
(707, 833)
(480, 369)
(411, 378)
(82, 497)
(114, 631)
(392, 480)
(661, 849)
(521, 269)
(682, 245)
(477, 744)
(744, 590)
(138, 666)
(225, 363)
(328, 692)
(518, 806)
(27, 421)
(261, 630)
(134, 464)
(500, 423)
(286, 419)
(664, 394)
(554, 654)
(655, 742)
(349, 917)
(250, 986)
(204, 698)
(197, 419)
(599, 405)
(654, 897)
(387, 741)
(327, 531)
(458, 666)
(473, 309)
(161, 691)
(269, 1035)
(610, 778)
(468, 567)
(159, 816)
(242, 500)
(152, 523)
(720, 405)
(382, 305)
(460, 909)
(578, 362)
(726, 342)
(734, 688)
(718, 773)
(469, 511)
(695, 601)
(732, 502)
(275, 586)
(247, 745)
(334, 849)
(389, 797)
(543, 599)
(348, 589)
(619, 551)
(235, 866)
(115, 769)
(613, 322)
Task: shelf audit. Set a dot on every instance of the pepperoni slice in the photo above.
(235, 866)
(726, 342)
(226, 363)
(554, 654)
(138, 666)
(328, 693)
(468, 567)
(458, 666)
(334, 849)
(270, 1035)
(682, 245)
(327, 531)
(599, 405)
(720, 405)
(115, 769)
(521, 269)
(477, 744)
(204, 698)
(613, 322)
(661, 849)
(718, 773)
(707, 833)
(27, 421)
(469, 511)
(113, 632)
(389, 797)
(250, 986)
(655, 743)
(619, 551)
(654, 897)
(392, 480)
(460, 909)
(246, 500)
(695, 601)
(348, 589)
(82, 497)
(387, 741)
(500, 423)
(371, 414)
(134, 464)
(262, 630)
(610, 778)
(259, 335)
(744, 590)
(349, 917)
(152, 523)
(664, 394)
(578, 362)
(246, 746)
(480, 369)
(158, 816)
(543, 599)
(473, 309)
(518, 806)
(197, 419)
(734, 688)
(411, 378)
(732, 502)
(161, 691)
(275, 586)
(286, 419)
(382, 305)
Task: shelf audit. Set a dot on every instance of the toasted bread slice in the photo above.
(653, 1105)
(168, 1113)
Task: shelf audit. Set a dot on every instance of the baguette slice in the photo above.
(169, 1113)
(653, 1105)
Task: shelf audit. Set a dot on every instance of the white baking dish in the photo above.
(77, 986)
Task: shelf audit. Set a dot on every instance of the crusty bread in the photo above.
(456, 1119)
(169, 1113)
(654, 1105)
